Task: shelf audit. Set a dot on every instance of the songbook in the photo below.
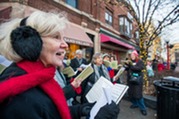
(85, 73)
(117, 90)
(69, 71)
(2, 67)
(112, 64)
(118, 74)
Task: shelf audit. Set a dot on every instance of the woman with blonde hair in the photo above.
(28, 86)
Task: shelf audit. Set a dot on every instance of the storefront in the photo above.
(77, 38)
(115, 46)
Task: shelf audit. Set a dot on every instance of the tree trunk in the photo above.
(143, 56)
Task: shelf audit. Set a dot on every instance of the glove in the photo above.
(86, 108)
(109, 111)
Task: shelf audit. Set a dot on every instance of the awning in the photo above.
(105, 38)
(75, 34)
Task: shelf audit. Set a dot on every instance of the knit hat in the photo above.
(105, 55)
(135, 53)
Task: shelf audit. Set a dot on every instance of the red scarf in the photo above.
(37, 75)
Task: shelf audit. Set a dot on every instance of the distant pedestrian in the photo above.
(135, 90)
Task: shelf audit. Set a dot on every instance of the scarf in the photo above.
(105, 71)
(37, 75)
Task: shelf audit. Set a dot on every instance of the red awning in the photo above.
(75, 34)
(106, 38)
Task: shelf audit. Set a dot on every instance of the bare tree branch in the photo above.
(143, 12)
(148, 9)
(161, 24)
(153, 11)
(138, 10)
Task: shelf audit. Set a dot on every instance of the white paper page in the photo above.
(121, 70)
(96, 91)
(103, 100)
(118, 92)
(107, 93)
(83, 66)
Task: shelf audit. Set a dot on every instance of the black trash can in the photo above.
(167, 98)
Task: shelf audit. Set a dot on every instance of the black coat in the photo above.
(135, 91)
(75, 64)
(31, 104)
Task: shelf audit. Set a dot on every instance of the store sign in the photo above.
(79, 42)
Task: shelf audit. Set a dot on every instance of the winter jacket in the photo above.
(135, 91)
(31, 104)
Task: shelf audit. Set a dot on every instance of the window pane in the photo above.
(126, 26)
(72, 3)
(121, 24)
(130, 26)
(110, 19)
(106, 16)
(121, 21)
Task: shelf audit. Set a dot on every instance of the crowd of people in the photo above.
(33, 85)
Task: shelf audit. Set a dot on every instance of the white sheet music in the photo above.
(117, 90)
(104, 99)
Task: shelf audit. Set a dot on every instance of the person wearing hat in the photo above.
(135, 89)
(106, 57)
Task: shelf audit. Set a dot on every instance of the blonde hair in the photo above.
(47, 24)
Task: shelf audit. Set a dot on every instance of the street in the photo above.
(127, 113)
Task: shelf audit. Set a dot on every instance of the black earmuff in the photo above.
(26, 42)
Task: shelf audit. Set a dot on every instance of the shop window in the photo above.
(73, 3)
(125, 26)
(70, 52)
(108, 17)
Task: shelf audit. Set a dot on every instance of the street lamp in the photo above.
(168, 54)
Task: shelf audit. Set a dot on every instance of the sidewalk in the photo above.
(127, 113)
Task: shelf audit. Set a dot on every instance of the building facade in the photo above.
(95, 25)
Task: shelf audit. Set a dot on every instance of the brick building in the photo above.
(96, 26)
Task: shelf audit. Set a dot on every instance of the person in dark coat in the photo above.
(135, 90)
(78, 61)
(99, 70)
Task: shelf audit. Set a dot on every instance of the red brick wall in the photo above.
(93, 7)
(5, 13)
